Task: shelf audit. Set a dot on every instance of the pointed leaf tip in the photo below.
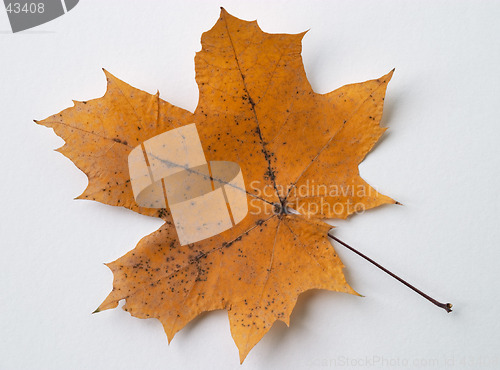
(109, 75)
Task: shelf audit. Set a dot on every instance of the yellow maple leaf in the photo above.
(298, 153)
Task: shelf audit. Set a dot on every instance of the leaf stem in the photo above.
(445, 306)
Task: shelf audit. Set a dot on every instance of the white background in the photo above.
(440, 158)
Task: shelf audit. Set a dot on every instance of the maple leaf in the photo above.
(256, 108)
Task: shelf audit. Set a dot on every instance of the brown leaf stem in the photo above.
(445, 306)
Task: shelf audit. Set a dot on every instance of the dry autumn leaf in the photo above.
(293, 146)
